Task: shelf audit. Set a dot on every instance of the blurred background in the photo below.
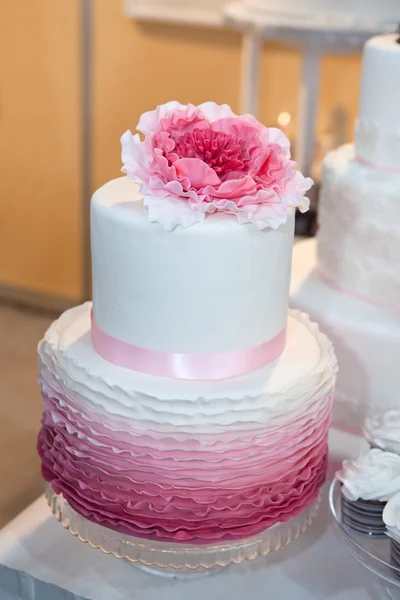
(73, 77)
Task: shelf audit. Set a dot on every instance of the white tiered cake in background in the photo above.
(348, 279)
(351, 13)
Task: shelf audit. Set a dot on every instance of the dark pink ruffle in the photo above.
(180, 484)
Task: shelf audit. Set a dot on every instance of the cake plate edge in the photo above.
(178, 560)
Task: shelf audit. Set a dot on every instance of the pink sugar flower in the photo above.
(199, 160)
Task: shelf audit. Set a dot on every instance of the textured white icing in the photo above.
(303, 373)
(350, 12)
(381, 150)
(391, 517)
(366, 340)
(383, 431)
(215, 287)
(358, 247)
(374, 475)
(378, 128)
(359, 236)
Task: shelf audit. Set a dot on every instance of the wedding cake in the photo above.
(349, 279)
(351, 13)
(186, 404)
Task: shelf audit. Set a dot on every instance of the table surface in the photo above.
(36, 553)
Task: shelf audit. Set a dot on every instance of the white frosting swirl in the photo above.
(391, 517)
(374, 475)
(383, 431)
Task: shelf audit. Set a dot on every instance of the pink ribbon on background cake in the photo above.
(377, 167)
(356, 295)
(174, 365)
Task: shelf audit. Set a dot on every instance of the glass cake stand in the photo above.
(373, 554)
(178, 560)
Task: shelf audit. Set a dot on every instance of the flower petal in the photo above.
(214, 112)
(172, 212)
(149, 122)
(231, 189)
(197, 171)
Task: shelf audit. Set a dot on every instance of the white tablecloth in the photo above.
(39, 560)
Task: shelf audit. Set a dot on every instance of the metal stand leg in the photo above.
(251, 54)
(308, 106)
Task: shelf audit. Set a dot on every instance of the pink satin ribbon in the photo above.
(384, 169)
(221, 365)
(355, 295)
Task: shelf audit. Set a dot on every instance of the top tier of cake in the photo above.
(192, 250)
(378, 126)
(215, 287)
(343, 12)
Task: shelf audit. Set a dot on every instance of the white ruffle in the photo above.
(246, 401)
(173, 212)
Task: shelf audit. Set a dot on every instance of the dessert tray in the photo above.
(373, 554)
(178, 560)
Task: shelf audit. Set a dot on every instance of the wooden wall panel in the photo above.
(40, 162)
(135, 67)
(140, 65)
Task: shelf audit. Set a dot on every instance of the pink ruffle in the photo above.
(178, 528)
(187, 472)
(181, 483)
(164, 439)
(143, 454)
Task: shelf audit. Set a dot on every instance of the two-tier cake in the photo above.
(186, 404)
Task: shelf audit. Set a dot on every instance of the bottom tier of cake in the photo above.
(365, 337)
(183, 461)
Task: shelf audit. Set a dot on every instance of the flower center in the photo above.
(220, 151)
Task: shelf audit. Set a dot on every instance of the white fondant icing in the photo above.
(292, 384)
(359, 236)
(383, 430)
(378, 129)
(215, 287)
(374, 475)
(366, 340)
(380, 150)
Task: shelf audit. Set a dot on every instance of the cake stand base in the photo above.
(178, 560)
(172, 573)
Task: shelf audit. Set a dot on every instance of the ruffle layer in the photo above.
(182, 475)
(168, 517)
(250, 413)
(126, 444)
(182, 503)
(119, 427)
(177, 406)
(130, 491)
(200, 470)
(202, 531)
